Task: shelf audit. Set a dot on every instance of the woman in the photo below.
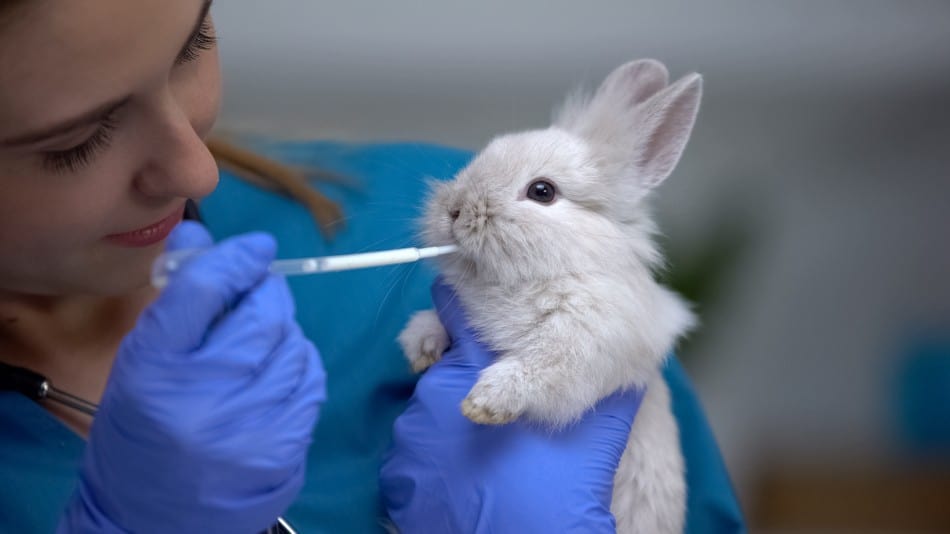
(207, 393)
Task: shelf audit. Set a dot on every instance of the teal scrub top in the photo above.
(353, 318)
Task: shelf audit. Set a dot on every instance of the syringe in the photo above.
(168, 263)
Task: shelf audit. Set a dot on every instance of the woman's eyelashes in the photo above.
(73, 159)
(77, 157)
(203, 39)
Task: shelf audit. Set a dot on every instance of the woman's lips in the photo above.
(148, 235)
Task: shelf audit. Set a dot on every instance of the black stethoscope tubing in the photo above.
(37, 387)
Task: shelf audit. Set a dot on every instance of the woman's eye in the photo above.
(73, 159)
(541, 191)
(203, 39)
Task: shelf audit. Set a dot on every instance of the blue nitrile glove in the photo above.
(445, 473)
(207, 416)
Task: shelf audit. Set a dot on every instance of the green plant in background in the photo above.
(699, 273)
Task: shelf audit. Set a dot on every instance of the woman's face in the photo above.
(103, 107)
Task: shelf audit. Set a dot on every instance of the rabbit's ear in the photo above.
(635, 81)
(626, 86)
(663, 125)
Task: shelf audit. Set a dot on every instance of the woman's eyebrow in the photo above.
(88, 118)
(202, 15)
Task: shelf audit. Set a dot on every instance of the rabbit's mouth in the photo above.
(460, 266)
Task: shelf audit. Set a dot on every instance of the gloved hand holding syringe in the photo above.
(168, 263)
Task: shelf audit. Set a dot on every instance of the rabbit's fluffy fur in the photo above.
(564, 291)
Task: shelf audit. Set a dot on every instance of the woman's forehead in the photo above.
(59, 58)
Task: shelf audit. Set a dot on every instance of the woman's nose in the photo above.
(179, 165)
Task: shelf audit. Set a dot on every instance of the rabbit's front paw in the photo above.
(498, 396)
(423, 340)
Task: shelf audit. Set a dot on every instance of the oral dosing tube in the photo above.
(167, 264)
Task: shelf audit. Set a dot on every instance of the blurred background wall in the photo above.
(811, 209)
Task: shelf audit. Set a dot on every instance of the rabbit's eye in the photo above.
(541, 191)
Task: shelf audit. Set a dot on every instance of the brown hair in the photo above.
(272, 174)
(7, 9)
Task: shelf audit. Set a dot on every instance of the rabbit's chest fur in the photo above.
(616, 327)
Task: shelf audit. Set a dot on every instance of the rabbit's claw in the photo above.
(497, 398)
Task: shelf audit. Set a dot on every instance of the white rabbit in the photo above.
(555, 270)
